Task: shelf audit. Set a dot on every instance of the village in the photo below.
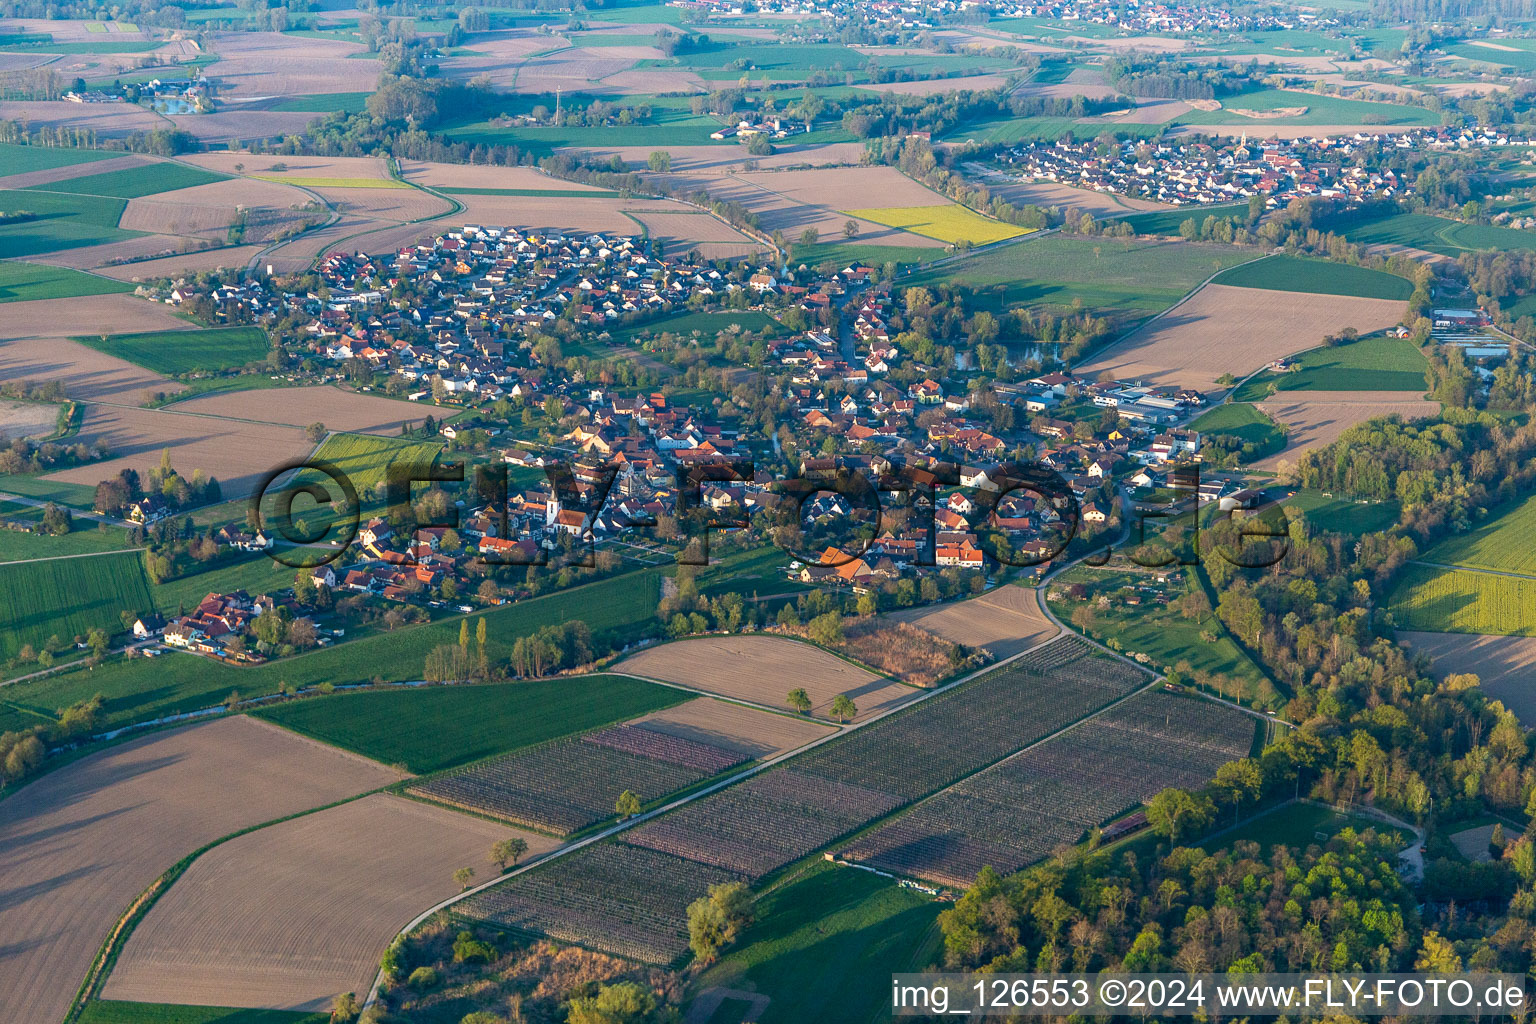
(1345, 166)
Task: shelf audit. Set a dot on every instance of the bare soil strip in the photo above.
(1005, 621)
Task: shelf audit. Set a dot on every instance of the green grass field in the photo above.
(1370, 364)
(1047, 129)
(16, 159)
(324, 103)
(1136, 276)
(618, 610)
(366, 459)
(825, 944)
(1295, 825)
(432, 728)
(1166, 222)
(1436, 234)
(1463, 601)
(112, 1012)
(175, 352)
(257, 574)
(1519, 57)
(84, 539)
(1318, 277)
(1320, 110)
(58, 221)
(846, 253)
(708, 324)
(68, 596)
(133, 182)
(23, 282)
(1502, 543)
(1245, 422)
(1340, 515)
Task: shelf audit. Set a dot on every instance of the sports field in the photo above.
(68, 596)
(1319, 277)
(173, 352)
(1438, 600)
(617, 610)
(1370, 364)
(453, 725)
(22, 282)
(952, 223)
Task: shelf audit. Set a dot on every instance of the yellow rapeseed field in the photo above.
(949, 223)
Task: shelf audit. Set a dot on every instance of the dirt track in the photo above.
(79, 844)
(290, 916)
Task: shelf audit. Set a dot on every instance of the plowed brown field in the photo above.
(290, 916)
(81, 843)
(756, 734)
(1225, 329)
(1005, 621)
(763, 669)
(1317, 418)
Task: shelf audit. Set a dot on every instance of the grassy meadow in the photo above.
(177, 352)
(25, 282)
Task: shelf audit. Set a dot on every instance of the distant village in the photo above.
(1204, 172)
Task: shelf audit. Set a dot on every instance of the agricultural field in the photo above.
(150, 801)
(341, 409)
(460, 724)
(753, 734)
(565, 786)
(1004, 621)
(175, 352)
(1370, 364)
(235, 452)
(779, 816)
(1129, 277)
(763, 669)
(87, 375)
(1317, 418)
(111, 1012)
(1502, 664)
(25, 282)
(290, 915)
(27, 419)
(1019, 811)
(146, 180)
(1435, 234)
(1501, 543)
(1166, 222)
(367, 460)
(953, 224)
(57, 221)
(67, 597)
(16, 159)
(1317, 277)
(622, 899)
(617, 610)
(1224, 330)
(1435, 600)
